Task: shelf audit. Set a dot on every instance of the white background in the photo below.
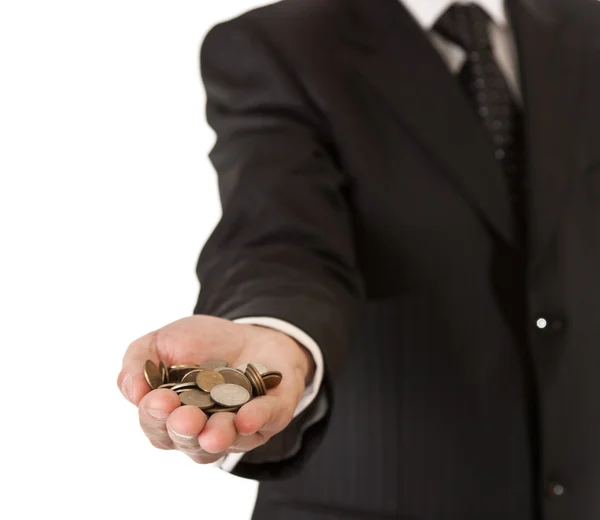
(106, 198)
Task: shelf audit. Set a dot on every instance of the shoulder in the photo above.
(296, 13)
(290, 22)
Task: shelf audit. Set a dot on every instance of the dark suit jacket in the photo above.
(362, 203)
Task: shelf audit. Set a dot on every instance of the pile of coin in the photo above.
(214, 386)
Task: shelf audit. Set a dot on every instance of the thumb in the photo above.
(131, 380)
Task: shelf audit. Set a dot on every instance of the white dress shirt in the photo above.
(426, 13)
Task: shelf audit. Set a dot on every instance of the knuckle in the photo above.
(184, 444)
(283, 417)
(164, 339)
(192, 451)
(149, 424)
(142, 341)
(160, 445)
(153, 430)
(204, 459)
(244, 444)
(158, 436)
(263, 438)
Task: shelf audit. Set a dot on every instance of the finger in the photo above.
(131, 380)
(219, 433)
(183, 427)
(153, 411)
(271, 413)
(267, 414)
(245, 443)
(160, 445)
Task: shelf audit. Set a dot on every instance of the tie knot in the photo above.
(466, 25)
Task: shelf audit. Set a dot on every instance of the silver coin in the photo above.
(184, 386)
(229, 394)
(214, 363)
(196, 398)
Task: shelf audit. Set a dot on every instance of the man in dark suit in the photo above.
(411, 234)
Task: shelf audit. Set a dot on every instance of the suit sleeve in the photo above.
(284, 246)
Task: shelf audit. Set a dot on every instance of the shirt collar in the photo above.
(427, 12)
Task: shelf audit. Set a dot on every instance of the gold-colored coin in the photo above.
(164, 374)
(184, 386)
(152, 374)
(217, 409)
(272, 379)
(197, 398)
(261, 384)
(194, 383)
(177, 372)
(254, 377)
(184, 367)
(214, 363)
(190, 377)
(233, 376)
(208, 379)
(230, 395)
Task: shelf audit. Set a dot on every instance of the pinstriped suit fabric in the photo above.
(353, 170)
(397, 436)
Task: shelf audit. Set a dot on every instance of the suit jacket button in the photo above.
(556, 490)
(550, 323)
(541, 323)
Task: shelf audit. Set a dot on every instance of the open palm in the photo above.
(195, 340)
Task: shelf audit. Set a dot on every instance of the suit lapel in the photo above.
(395, 56)
(551, 60)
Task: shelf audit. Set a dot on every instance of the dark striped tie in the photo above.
(467, 25)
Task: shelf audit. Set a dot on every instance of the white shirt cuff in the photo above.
(311, 391)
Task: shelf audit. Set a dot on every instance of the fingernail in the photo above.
(160, 415)
(180, 435)
(126, 388)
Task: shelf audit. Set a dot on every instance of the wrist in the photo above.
(308, 363)
(303, 358)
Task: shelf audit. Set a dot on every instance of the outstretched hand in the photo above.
(195, 340)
